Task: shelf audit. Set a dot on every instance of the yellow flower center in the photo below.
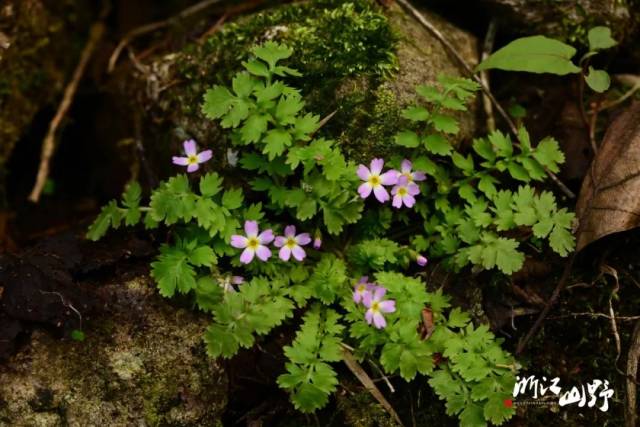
(402, 191)
(408, 175)
(291, 242)
(361, 287)
(374, 180)
(375, 306)
(253, 243)
(192, 160)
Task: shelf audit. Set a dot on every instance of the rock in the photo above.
(568, 20)
(143, 363)
(357, 57)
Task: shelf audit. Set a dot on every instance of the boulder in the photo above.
(143, 362)
(358, 58)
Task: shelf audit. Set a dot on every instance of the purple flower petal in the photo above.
(409, 200)
(317, 242)
(397, 201)
(247, 256)
(369, 316)
(419, 176)
(263, 252)
(237, 280)
(378, 294)
(405, 166)
(378, 320)
(376, 166)
(364, 190)
(403, 181)
(421, 260)
(239, 241)
(366, 299)
(251, 228)
(266, 237)
(388, 306)
(193, 167)
(190, 148)
(285, 253)
(389, 177)
(357, 297)
(204, 156)
(303, 239)
(363, 172)
(298, 253)
(413, 189)
(290, 231)
(182, 161)
(381, 194)
(363, 279)
(280, 241)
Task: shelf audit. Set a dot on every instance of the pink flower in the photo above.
(405, 170)
(421, 260)
(193, 159)
(403, 192)
(292, 244)
(373, 301)
(317, 242)
(227, 283)
(361, 288)
(253, 243)
(375, 181)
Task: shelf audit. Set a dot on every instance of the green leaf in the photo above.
(562, 241)
(172, 272)
(598, 80)
(446, 124)
(548, 154)
(254, 128)
(501, 143)
(495, 409)
(272, 52)
(243, 84)
(600, 38)
(202, 256)
(407, 139)
(238, 112)
(77, 335)
(217, 102)
(416, 114)
(110, 216)
(472, 416)
(463, 163)
(437, 144)
(232, 199)
(535, 54)
(484, 149)
(257, 68)
(275, 143)
(210, 184)
(518, 172)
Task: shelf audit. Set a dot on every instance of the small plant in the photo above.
(539, 54)
(297, 188)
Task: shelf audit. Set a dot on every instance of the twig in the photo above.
(630, 413)
(587, 314)
(214, 29)
(383, 376)
(66, 304)
(48, 145)
(487, 48)
(153, 26)
(366, 381)
(634, 88)
(554, 297)
(452, 50)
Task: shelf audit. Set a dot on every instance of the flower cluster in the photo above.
(404, 183)
(370, 295)
(255, 243)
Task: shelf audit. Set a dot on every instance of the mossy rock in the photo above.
(142, 363)
(357, 58)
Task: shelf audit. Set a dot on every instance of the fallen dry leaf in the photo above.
(609, 200)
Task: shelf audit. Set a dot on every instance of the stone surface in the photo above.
(142, 363)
